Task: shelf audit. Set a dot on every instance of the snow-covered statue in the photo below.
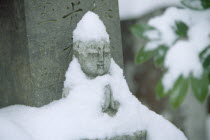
(98, 104)
(92, 50)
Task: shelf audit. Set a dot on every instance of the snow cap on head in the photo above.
(90, 28)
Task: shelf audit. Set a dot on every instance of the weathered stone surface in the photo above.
(139, 135)
(36, 47)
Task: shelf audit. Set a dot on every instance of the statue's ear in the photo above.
(75, 53)
(75, 49)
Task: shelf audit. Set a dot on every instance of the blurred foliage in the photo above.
(200, 4)
(180, 88)
(205, 3)
(139, 29)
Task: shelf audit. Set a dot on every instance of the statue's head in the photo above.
(91, 45)
(93, 56)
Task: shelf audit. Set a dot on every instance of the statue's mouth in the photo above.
(100, 66)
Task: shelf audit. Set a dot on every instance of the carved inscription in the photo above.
(75, 9)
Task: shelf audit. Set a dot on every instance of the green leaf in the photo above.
(143, 55)
(205, 58)
(204, 53)
(181, 29)
(139, 29)
(179, 91)
(206, 62)
(160, 57)
(206, 65)
(160, 92)
(205, 3)
(200, 87)
(193, 4)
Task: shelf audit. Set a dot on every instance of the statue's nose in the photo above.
(101, 56)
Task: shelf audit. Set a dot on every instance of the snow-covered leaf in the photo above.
(160, 57)
(200, 86)
(185, 31)
(206, 62)
(205, 58)
(160, 93)
(139, 29)
(193, 4)
(204, 54)
(181, 29)
(179, 91)
(158, 53)
(144, 55)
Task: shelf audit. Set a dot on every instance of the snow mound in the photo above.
(90, 28)
(79, 115)
(9, 131)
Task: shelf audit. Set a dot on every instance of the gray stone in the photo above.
(37, 46)
(139, 135)
(94, 58)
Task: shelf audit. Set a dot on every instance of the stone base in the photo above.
(139, 135)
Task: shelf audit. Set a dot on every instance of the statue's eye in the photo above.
(106, 54)
(93, 53)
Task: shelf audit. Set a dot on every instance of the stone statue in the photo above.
(95, 58)
(91, 47)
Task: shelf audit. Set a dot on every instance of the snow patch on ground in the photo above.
(90, 28)
(80, 116)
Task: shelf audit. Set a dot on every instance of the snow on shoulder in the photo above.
(90, 28)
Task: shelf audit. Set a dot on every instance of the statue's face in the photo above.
(95, 58)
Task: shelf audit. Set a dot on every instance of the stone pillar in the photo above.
(36, 45)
